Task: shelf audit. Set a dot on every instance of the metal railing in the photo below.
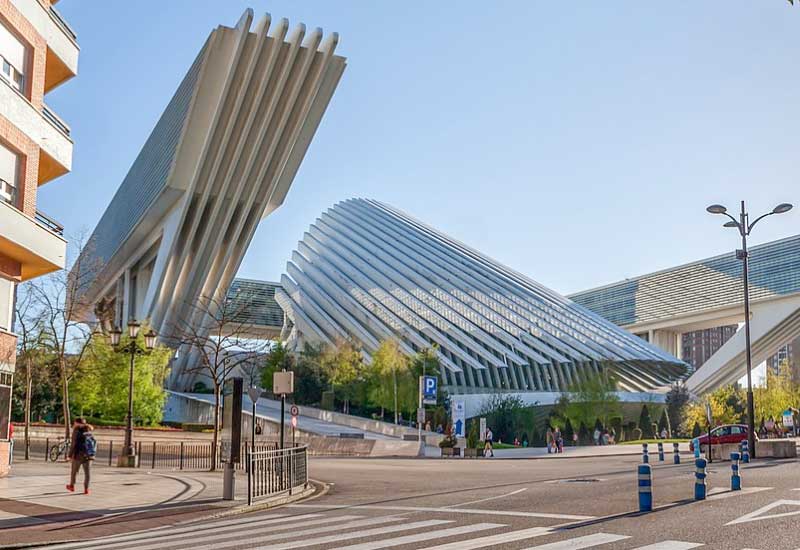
(272, 472)
(156, 455)
(55, 120)
(49, 223)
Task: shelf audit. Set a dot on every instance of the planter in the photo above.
(473, 453)
(451, 451)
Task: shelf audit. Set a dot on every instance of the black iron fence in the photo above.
(164, 455)
(272, 472)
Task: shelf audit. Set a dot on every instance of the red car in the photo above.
(729, 433)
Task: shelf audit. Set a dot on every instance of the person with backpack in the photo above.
(82, 450)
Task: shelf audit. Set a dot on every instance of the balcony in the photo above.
(33, 242)
(43, 127)
(62, 47)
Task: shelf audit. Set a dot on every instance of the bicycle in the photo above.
(57, 450)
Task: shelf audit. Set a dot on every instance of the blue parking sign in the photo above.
(429, 389)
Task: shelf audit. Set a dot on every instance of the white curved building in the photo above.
(366, 271)
(221, 157)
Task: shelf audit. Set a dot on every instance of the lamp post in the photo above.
(744, 226)
(128, 457)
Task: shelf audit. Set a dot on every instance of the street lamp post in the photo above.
(128, 457)
(744, 226)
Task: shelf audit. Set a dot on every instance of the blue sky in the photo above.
(577, 142)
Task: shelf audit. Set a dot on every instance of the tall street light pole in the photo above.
(128, 457)
(745, 227)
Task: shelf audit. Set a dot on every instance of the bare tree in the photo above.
(29, 322)
(61, 299)
(213, 332)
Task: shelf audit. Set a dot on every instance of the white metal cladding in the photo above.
(367, 271)
(254, 101)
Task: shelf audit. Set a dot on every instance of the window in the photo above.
(6, 303)
(9, 174)
(13, 54)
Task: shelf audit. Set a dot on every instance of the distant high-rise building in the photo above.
(38, 52)
(697, 346)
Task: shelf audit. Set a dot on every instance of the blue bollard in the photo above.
(660, 452)
(736, 479)
(645, 488)
(645, 455)
(696, 443)
(676, 454)
(745, 447)
(700, 479)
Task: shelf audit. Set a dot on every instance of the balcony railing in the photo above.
(49, 223)
(63, 24)
(55, 120)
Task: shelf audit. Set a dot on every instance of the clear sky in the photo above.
(577, 142)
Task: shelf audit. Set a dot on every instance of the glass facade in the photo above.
(698, 286)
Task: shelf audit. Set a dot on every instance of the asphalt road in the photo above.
(557, 504)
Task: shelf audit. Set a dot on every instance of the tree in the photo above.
(29, 324)
(503, 414)
(568, 431)
(61, 298)
(646, 423)
(388, 365)
(218, 347)
(663, 423)
(677, 398)
(343, 365)
(101, 390)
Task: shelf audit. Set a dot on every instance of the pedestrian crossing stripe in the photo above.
(356, 532)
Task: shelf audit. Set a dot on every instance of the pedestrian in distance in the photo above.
(488, 449)
(574, 440)
(82, 450)
(559, 440)
(596, 435)
(549, 440)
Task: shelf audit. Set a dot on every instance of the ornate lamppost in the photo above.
(128, 456)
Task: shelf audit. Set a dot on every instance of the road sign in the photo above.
(294, 410)
(294, 421)
(483, 429)
(428, 389)
(709, 416)
(788, 419)
(458, 412)
(254, 393)
(283, 382)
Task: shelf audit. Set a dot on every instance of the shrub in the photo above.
(696, 430)
(193, 427)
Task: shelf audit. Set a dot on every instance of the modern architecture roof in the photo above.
(366, 271)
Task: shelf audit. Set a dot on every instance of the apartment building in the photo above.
(38, 52)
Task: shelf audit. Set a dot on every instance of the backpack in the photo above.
(89, 444)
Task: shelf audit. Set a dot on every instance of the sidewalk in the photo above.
(35, 506)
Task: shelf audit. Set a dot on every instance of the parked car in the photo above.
(728, 433)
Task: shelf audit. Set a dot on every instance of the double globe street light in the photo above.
(745, 226)
(128, 457)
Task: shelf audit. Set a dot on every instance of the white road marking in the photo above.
(353, 535)
(167, 530)
(419, 537)
(671, 545)
(492, 540)
(757, 515)
(718, 493)
(487, 498)
(202, 536)
(580, 542)
(446, 509)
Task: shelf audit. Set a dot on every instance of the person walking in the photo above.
(488, 449)
(549, 440)
(559, 440)
(82, 450)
